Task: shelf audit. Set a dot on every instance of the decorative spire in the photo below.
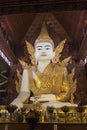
(44, 36)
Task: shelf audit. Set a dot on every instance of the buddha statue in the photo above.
(47, 78)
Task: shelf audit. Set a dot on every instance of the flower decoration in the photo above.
(65, 109)
(80, 109)
(50, 109)
(11, 108)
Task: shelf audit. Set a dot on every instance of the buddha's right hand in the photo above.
(44, 97)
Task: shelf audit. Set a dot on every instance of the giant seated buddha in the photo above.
(48, 78)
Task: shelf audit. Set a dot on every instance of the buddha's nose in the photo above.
(43, 53)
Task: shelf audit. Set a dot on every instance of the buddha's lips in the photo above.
(43, 55)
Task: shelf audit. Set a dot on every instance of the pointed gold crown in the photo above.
(44, 36)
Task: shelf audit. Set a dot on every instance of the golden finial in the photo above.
(44, 36)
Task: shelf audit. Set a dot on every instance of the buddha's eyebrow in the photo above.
(38, 46)
(47, 46)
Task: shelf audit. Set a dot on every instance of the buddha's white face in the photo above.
(44, 51)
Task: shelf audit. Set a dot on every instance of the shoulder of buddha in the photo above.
(51, 66)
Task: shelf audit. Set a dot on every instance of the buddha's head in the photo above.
(44, 46)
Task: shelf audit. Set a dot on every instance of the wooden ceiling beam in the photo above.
(5, 28)
(6, 49)
(53, 26)
(34, 6)
(80, 31)
(32, 32)
(8, 53)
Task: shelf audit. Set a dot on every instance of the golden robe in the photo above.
(54, 80)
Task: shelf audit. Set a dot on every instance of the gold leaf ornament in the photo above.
(24, 64)
(66, 60)
(58, 51)
(73, 84)
(18, 81)
(31, 51)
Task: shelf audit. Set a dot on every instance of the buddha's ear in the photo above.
(53, 54)
(31, 51)
(58, 51)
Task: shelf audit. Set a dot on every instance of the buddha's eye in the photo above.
(47, 48)
(39, 48)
